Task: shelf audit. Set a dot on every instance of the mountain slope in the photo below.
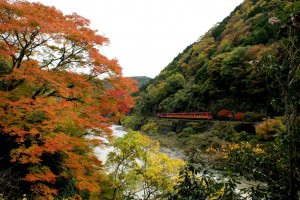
(220, 70)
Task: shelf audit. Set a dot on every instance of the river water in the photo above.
(118, 131)
(102, 151)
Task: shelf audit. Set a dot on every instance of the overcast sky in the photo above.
(145, 35)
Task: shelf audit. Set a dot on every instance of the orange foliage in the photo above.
(58, 87)
(268, 128)
(41, 189)
(43, 174)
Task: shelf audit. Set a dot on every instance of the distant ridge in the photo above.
(142, 80)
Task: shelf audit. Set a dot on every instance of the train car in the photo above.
(192, 115)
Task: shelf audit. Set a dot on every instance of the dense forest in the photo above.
(227, 68)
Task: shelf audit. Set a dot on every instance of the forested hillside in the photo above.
(247, 65)
(226, 67)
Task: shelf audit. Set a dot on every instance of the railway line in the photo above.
(203, 117)
(206, 120)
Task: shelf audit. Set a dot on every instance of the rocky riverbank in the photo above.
(173, 153)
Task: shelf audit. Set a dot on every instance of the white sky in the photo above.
(145, 35)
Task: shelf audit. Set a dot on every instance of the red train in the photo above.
(192, 115)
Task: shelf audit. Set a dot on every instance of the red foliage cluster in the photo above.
(227, 114)
(239, 116)
(46, 105)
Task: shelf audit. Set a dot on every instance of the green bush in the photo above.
(201, 141)
(149, 128)
(252, 116)
(224, 130)
(192, 185)
(171, 134)
(133, 122)
(186, 132)
(216, 143)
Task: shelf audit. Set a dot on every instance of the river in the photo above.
(118, 131)
(102, 151)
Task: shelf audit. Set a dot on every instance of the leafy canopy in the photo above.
(55, 87)
(139, 167)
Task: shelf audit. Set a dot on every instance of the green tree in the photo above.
(286, 68)
(139, 167)
(197, 183)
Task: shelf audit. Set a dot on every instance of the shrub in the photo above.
(267, 129)
(252, 116)
(239, 116)
(189, 130)
(216, 143)
(149, 128)
(171, 134)
(223, 130)
(186, 132)
(225, 114)
(133, 122)
(200, 141)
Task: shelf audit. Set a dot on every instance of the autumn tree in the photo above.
(139, 168)
(55, 88)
